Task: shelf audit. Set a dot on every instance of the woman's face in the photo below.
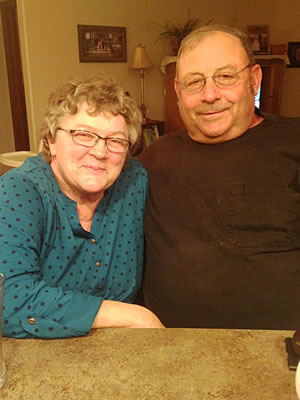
(84, 173)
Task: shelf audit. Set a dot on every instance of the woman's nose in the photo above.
(100, 148)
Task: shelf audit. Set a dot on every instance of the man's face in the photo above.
(217, 114)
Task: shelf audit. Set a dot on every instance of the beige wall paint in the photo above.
(7, 142)
(283, 17)
(49, 45)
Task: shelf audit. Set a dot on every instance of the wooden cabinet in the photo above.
(173, 120)
(271, 86)
(273, 69)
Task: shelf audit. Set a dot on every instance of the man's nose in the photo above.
(210, 92)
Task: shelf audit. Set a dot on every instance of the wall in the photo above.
(48, 32)
(7, 142)
(50, 50)
(283, 17)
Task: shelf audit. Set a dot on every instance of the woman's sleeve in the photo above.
(33, 308)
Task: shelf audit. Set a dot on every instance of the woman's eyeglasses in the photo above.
(89, 139)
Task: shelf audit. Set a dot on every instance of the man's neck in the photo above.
(257, 118)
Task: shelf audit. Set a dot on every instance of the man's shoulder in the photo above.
(282, 120)
(168, 143)
(278, 126)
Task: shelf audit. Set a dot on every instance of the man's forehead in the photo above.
(213, 51)
(218, 39)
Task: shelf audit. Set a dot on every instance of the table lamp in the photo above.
(141, 60)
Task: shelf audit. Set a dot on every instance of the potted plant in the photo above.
(176, 32)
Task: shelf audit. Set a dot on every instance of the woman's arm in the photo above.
(117, 314)
(34, 304)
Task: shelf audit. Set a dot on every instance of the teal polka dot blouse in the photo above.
(57, 274)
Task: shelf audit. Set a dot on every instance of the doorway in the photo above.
(14, 73)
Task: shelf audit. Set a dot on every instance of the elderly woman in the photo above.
(71, 233)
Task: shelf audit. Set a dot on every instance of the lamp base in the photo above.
(144, 112)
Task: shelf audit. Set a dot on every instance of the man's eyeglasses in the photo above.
(89, 139)
(196, 82)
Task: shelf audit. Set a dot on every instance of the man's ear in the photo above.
(176, 87)
(256, 77)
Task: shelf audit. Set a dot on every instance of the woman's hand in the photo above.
(123, 315)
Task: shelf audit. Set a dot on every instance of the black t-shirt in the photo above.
(222, 229)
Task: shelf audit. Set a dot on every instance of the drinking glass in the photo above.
(3, 374)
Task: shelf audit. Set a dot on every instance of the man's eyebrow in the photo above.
(191, 74)
(224, 67)
(227, 66)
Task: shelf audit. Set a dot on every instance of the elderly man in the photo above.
(222, 221)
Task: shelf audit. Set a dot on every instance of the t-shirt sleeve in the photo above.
(33, 308)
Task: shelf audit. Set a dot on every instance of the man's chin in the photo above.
(208, 134)
(203, 137)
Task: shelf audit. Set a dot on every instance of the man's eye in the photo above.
(194, 82)
(225, 76)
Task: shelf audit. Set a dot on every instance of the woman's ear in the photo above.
(52, 146)
(256, 77)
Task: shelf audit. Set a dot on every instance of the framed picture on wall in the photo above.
(102, 43)
(150, 134)
(259, 38)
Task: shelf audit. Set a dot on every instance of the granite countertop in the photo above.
(140, 364)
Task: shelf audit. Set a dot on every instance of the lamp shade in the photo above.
(140, 58)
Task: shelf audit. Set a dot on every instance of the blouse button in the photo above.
(98, 263)
(93, 241)
(31, 321)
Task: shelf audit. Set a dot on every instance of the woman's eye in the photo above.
(83, 136)
(115, 141)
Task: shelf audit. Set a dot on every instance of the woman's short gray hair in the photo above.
(102, 94)
(196, 36)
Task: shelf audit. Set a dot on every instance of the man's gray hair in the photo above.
(196, 36)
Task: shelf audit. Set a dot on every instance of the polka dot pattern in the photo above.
(58, 273)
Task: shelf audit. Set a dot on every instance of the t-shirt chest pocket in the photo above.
(260, 216)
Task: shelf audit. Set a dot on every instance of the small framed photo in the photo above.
(102, 43)
(150, 134)
(259, 38)
(294, 53)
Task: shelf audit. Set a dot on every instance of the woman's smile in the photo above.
(94, 168)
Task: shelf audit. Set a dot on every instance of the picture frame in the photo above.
(294, 54)
(150, 134)
(259, 37)
(102, 43)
